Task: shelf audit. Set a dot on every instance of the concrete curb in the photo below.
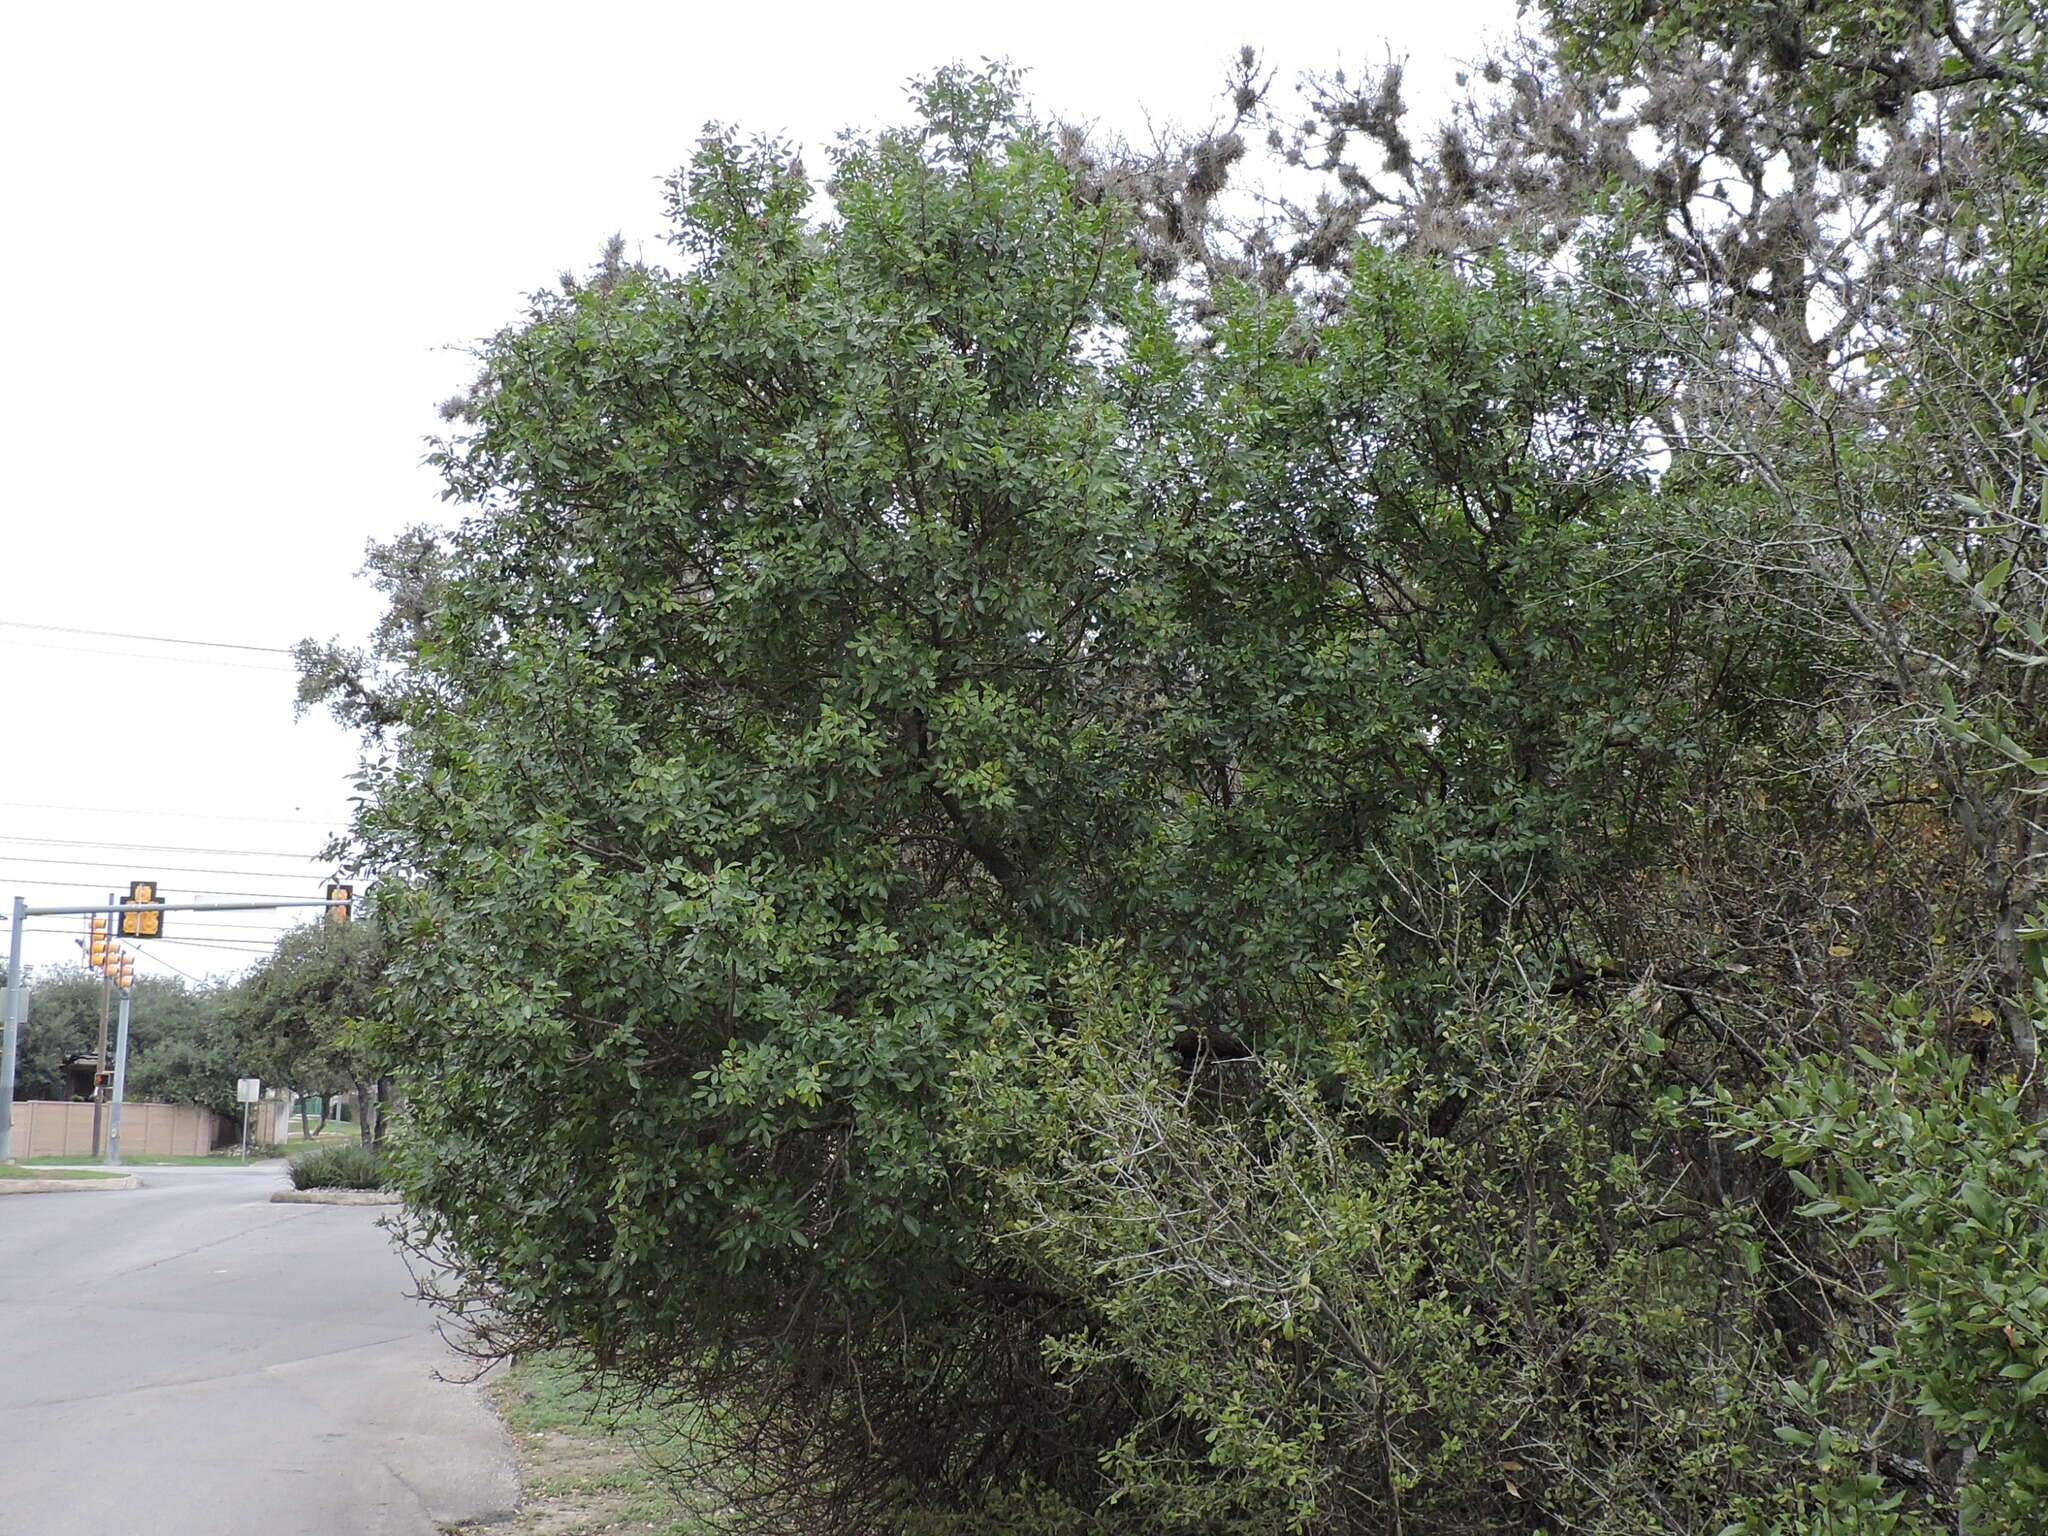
(337, 1197)
(60, 1186)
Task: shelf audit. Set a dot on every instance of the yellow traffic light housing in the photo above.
(96, 947)
(345, 895)
(142, 925)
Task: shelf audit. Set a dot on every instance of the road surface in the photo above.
(187, 1359)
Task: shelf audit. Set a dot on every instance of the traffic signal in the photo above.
(142, 925)
(345, 894)
(102, 1080)
(127, 976)
(96, 948)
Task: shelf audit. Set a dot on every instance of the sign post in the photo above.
(248, 1090)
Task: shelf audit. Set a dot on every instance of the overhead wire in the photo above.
(180, 869)
(130, 810)
(195, 891)
(183, 661)
(89, 842)
(265, 931)
(117, 634)
(63, 933)
(258, 945)
(182, 929)
(160, 960)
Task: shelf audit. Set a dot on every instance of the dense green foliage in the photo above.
(173, 1034)
(1382, 879)
(300, 1017)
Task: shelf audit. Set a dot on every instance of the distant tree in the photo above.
(62, 1018)
(172, 1039)
(298, 1018)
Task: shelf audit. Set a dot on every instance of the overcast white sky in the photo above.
(247, 244)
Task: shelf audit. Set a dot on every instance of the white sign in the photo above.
(248, 1090)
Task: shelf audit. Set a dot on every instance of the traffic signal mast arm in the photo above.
(22, 909)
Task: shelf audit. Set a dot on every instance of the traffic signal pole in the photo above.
(99, 1060)
(120, 1084)
(10, 1012)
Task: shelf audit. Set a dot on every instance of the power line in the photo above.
(123, 863)
(179, 869)
(160, 960)
(187, 661)
(252, 940)
(267, 932)
(263, 944)
(88, 842)
(129, 810)
(116, 634)
(220, 924)
(186, 924)
(249, 944)
(266, 937)
(64, 933)
(101, 885)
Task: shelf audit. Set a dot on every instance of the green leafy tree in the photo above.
(171, 1037)
(62, 1018)
(764, 811)
(854, 624)
(300, 1018)
(1104, 871)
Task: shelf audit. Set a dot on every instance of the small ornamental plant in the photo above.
(347, 1167)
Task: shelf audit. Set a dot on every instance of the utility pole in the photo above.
(10, 1026)
(120, 1064)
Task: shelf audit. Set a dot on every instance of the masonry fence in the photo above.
(49, 1128)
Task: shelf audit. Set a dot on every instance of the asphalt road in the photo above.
(187, 1359)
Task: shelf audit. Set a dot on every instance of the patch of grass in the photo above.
(589, 1464)
(337, 1132)
(31, 1171)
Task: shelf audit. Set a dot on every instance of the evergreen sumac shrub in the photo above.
(1086, 897)
(359, 1166)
